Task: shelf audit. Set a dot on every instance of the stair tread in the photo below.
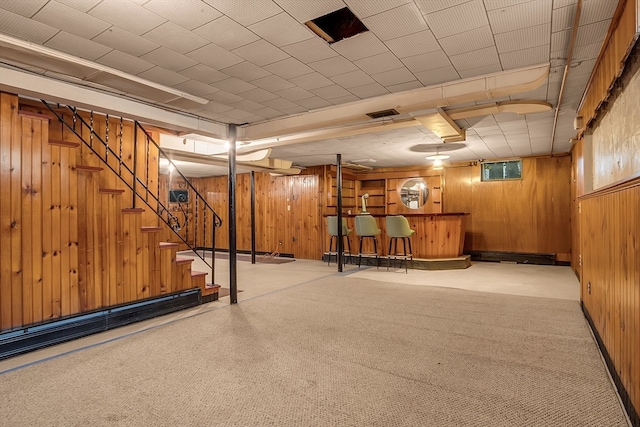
(184, 260)
(164, 245)
(198, 273)
(150, 228)
(111, 191)
(132, 210)
(88, 168)
(62, 143)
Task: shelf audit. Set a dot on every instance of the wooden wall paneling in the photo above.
(457, 194)
(47, 225)
(40, 138)
(83, 283)
(28, 128)
(66, 290)
(128, 258)
(553, 207)
(577, 189)
(8, 113)
(16, 220)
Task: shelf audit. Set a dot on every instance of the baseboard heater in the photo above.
(35, 337)
(517, 257)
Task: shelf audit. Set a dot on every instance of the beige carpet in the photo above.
(334, 352)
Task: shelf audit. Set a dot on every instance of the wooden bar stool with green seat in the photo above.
(366, 226)
(332, 228)
(398, 228)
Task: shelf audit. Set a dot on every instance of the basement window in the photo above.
(500, 171)
(337, 25)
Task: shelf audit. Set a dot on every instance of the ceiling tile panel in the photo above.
(559, 4)
(175, 37)
(189, 14)
(169, 59)
(430, 6)
(68, 19)
(22, 7)
(77, 46)
(415, 84)
(233, 85)
(224, 97)
(398, 22)
(394, 77)
(261, 53)
(311, 81)
(457, 19)
(310, 50)
(360, 46)
(379, 63)
(520, 16)
(204, 74)
(282, 30)
(479, 58)
(466, 42)
(427, 61)
(248, 105)
(587, 51)
(272, 83)
(214, 56)
(280, 104)
(294, 93)
(246, 71)
(597, 10)
(352, 79)
(499, 4)
(333, 66)
(368, 90)
(226, 33)
(123, 40)
(562, 18)
(128, 15)
(438, 75)
(304, 11)
(125, 62)
(246, 13)
(525, 38)
(560, 42)
(195, 87)
(258, 95)
(413, 44)
(238, 115)
(295, 110)
(313, 103)
(163, 76)
(328, 92)
(288, 68)
(23, 28)
(365, 8)
(344, 99)
(479, 71)
(269, 113)
(592, 33)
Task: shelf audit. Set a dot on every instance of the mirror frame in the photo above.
(422, 196)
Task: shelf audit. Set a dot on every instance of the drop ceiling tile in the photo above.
(310, 50)
(562, 18)
(394, 77)
(480, 71)
(280, 104)
(295, 110)
(479, 58)
(224, 97)
(398, 22)
(587, 51)
(244, 13)
(313, 103)
(125, 62)
(365, 8)
(163, 76)
(22, 7)
(596, 10)
(246, 71)
(233, 85)
(248, 105)
(415, 84)
(174, 37)
(520, 16)
(204, 74)
(438, 75)
(26, 29)
(123, 40)
(128, 15)
(169, 59)
(273, 30)
(269, 113)
(379, 63)
(214, 56)
(189, 14)
(304, 11)
(427, 61)
(333, 66)
(525, 57)
(272, 83)
(560, 42)
(77, 46)
(360, 46)
(68, 19)
(500, 4)
(328, 92)
(352, 79)
(226, 33)
(413, 44)
(457, 19)
(592, 33)
(368, 91)
(311, 81)
(344, 99)
(294, 93)
(430, 6)
(288, 68)
(525, 38)
(477, 38)
(261, 53)
(258, 95)
(239, 115)
(197, 88)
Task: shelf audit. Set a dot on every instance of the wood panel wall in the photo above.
(531, 215)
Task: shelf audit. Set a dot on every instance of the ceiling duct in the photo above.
(383, 113)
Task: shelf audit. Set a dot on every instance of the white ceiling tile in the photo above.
(311, 81)
(479, 58)
(379, 63)
(214, 56)
(520, 16)
(499, 4)
(23, 28)
(525, 57)
(81, 5)
(344, 99)
(226, 33)
(258, 95)
(70, 20)
(288, 68)
(365, 8)
(438, 75)
(304, 11)
(368, 90)
(592, 33)
(430, 6)
(269, 113)
(477, 38)
(175, 37)
(560, 42)
(415, 84)
(294, 110)
(233, 85)
(310, 50)
(246, 71)
(587, 51)
(128, 15)
(22, 7)
(169, 59)
(457, 19)
(562, 19)
(77, 46)
(189, 14)
(271, 29)
(163, 76)
(204, 74)
(413, 44)
(524, 38)
(333, 66)
(123, 40)
(398, 22)
(125, 62)
(248, 105)
(558, 4)
(597, 10)
(360, 46)
(246, 13)
(238, 115)
(480, 71)
(261, 53)
(394, 77)
(272, 83)
(280, 104)
(224, 97)
(352, 79)
(294, 93)
(195, 87)
(427, 61)
(313, 103)
(328, 92)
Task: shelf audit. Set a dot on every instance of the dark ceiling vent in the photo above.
(383, 113)
(337, 25)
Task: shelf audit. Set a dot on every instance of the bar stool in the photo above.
(398, 228)
(366, 226)
(332, 228)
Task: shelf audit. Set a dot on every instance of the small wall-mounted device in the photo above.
(577, 123)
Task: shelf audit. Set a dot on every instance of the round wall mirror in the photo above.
(414, 193)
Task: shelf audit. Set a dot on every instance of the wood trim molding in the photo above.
(632, 181)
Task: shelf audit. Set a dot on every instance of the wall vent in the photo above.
(337, 25)
(383, 113)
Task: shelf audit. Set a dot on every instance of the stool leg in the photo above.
(410, 250)
(330, 250)
(375, 248)
(348, 247)
(360, 253)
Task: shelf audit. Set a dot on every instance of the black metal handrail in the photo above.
(163, 212)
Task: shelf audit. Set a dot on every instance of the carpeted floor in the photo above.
(223, 292)
(339, 351)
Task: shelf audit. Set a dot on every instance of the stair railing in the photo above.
(140, 186)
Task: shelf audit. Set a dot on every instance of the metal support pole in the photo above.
(233, 273)
(213, 247)
(339, 185)
(253, 217)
